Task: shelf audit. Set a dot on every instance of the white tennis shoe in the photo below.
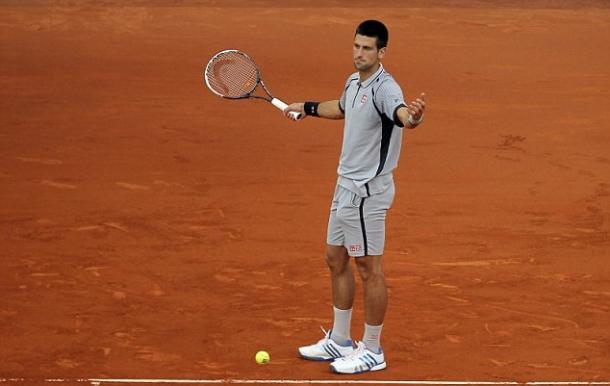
(360, 360)
(326, 349)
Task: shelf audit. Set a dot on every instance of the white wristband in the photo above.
(415, 123)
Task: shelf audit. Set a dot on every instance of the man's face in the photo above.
(366, 54)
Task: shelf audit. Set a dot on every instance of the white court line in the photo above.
(345, 381)
(100, 381)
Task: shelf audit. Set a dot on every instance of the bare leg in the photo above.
(375, 289)
(342, 277)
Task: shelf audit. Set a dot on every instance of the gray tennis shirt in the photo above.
(372, 134)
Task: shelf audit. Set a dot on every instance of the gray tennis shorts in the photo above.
(358, 223)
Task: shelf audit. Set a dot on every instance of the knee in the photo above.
(368, 271)
(337, 262)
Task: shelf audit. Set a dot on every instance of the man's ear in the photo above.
(381, 53)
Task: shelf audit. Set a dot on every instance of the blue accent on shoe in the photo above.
(367, 361)
(346, 343)
(328, 351)
(334, 350)
(372, 359)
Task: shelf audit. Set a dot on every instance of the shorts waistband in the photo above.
(367, 188)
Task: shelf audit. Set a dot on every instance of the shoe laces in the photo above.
(326, 335)
(358, 351)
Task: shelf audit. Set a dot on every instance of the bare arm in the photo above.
(328, 110)
(412, 114)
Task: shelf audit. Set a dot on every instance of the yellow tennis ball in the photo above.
(262, 357)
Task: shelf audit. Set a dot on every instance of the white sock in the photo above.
(341, 326)
(372, 337)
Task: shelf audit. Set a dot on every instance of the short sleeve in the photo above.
(390, 98)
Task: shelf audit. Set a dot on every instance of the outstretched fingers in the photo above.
(417, 107)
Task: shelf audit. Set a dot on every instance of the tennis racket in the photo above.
(232, 74)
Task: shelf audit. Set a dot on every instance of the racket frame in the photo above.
(250, 95)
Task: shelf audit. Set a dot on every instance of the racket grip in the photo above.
(282, 106)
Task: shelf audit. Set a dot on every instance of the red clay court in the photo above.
(151, 230)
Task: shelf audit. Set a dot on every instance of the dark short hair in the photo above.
(374, 29)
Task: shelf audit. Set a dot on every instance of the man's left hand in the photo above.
(417, 107)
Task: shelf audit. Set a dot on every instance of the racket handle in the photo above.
(282, 106)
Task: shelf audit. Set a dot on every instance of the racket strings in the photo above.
(233, 75)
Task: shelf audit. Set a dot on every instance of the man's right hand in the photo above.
(297, 108)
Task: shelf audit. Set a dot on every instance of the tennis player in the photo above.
(375, 113)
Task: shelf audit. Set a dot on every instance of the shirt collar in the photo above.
(372, 78)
